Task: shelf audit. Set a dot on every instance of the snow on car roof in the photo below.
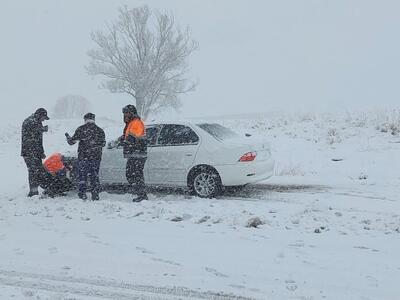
(177, 122)
(181, 122)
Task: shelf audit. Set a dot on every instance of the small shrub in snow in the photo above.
(254, 222)
(333, 136)
(203, 219)
(388, 122)
(307, 117)
(217, 221)
(392, 128)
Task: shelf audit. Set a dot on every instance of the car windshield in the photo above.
(218, 131)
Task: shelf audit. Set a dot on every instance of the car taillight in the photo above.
(249, 156)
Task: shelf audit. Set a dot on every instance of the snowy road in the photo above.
(313, 244)
(99, 288)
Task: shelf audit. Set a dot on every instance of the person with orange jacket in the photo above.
(135, 150)
(58, 179)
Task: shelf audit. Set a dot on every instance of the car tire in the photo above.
(205, 183)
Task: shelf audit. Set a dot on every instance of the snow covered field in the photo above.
(330, 223)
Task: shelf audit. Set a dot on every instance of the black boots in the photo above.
(140, 198)
(82, 196)
(33, 193)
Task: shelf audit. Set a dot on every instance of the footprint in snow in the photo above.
(169, 262)
(237, 286)
(372, 281)
(53, 250)
(361, 247)
(144, 250)
(216, 273)
(91, 236)
(297, 244)
(28, 294)
(18, 251)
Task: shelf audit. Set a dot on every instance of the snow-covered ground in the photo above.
(330, 223)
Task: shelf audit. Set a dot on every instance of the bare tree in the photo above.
(71, 107)
(144, 54)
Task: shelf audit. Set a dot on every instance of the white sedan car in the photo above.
(203, 157)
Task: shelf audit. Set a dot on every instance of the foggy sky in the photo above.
(254, 55)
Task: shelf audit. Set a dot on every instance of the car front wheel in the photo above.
(205, 183)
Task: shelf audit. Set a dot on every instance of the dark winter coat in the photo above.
(32, 138)
(91, 140)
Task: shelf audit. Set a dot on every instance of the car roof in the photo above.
(179, 122)
(163, 122)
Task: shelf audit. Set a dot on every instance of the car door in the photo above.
(173, 154)
(113, 164)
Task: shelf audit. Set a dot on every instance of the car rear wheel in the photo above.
(205, 183)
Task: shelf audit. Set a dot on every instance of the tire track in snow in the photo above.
(106, 289)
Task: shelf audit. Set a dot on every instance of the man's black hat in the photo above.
(89, 116)
(130, 109)
(42, 113)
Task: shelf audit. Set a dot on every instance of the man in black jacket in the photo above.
(91, 140)
(32, 149)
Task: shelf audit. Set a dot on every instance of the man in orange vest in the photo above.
(59, 175)
(135, 150)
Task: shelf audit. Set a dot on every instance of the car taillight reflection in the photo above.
(249, 156)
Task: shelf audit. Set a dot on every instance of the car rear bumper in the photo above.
(243, 173)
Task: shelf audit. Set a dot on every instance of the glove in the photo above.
(43, 156)
(46, 128)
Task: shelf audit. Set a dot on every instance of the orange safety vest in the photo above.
(135, 128)
(54, 163)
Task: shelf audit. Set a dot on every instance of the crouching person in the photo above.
(59, 175)
(91, 140)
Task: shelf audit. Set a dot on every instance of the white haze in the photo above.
(254, 56)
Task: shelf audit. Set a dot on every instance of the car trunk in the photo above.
(242, 145)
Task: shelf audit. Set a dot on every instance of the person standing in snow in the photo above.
(91, 140)
(32, 149)
(135, 150)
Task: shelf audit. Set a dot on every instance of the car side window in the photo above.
(151, 135)
(177, 135)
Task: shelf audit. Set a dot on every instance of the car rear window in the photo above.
(218, 131)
